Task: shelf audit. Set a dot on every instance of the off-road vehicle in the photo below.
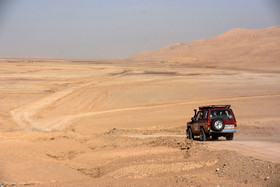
(214, 121)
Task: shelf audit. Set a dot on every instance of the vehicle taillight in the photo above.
(235, 124)
(208, 124)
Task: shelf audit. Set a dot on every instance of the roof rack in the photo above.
(214, 106)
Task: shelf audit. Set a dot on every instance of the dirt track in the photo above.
(116, 123)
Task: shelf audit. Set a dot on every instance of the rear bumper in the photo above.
(224, 131)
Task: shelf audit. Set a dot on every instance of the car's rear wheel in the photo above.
(189, 134)
(215, 137)
(218, 125)
(230, 136)
(202, 135)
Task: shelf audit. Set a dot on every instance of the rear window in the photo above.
(224, 114)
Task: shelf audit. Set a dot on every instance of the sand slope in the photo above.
(237, 45)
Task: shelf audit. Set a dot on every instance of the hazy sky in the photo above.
(121, 28)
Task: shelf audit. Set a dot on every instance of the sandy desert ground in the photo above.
(116, 123)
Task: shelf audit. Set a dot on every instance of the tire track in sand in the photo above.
(23, 115)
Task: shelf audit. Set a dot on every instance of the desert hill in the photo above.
(237, 45)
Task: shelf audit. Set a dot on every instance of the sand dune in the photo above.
(237, 45)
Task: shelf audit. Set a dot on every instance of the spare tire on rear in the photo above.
(218, 125)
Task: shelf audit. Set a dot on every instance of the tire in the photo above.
(202, 135)
(218, 125)
(230, 136)
(189, 134)
(215, 137)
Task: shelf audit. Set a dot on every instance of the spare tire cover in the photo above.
(218, 124)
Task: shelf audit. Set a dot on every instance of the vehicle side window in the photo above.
(201, 115)
(205, 114)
